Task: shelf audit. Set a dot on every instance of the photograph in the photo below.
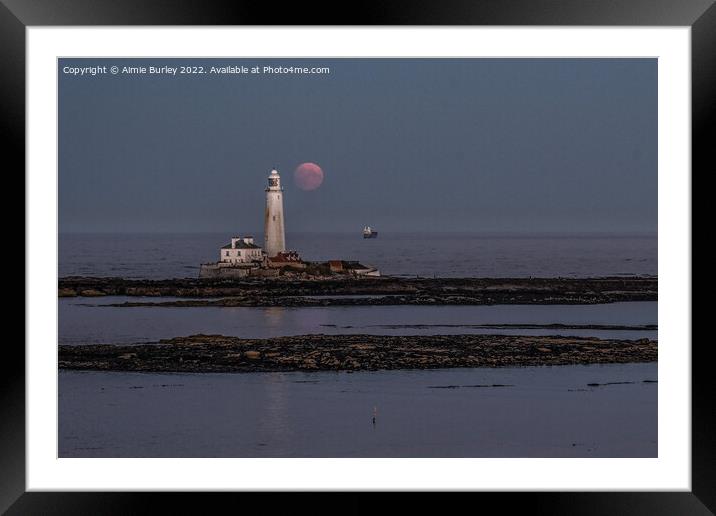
(418, 248)
(357, 257)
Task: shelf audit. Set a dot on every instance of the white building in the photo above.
(241, 250)
(274, 233)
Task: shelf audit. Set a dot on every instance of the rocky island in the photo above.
(218, 353)
(330, 291)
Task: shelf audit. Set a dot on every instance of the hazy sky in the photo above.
(405, 144)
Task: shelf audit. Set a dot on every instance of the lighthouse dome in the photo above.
(274, 181)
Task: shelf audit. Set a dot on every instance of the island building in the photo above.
(286, 259)
(241, 250)
(242, 257)
(238, 259)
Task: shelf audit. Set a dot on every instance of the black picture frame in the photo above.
(17, 15)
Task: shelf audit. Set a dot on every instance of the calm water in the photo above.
(85, 321)
(545, 412)
(424, 254)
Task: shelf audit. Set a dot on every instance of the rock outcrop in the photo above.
(218, 353)
(382, 291)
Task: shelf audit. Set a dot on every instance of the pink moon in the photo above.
(308, 176)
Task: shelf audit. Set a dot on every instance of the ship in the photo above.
(369, 233)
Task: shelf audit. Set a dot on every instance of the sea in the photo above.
(558, 411)
(178, 255)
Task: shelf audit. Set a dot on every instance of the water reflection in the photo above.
(274, 316)
(273, 428)
(564, 411)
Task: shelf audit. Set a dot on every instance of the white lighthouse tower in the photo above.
(274, 233)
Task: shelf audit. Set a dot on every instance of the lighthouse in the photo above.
(274, 233)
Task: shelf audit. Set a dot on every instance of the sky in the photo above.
(463, 145)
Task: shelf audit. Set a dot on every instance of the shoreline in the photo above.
(222, 354)
(381, 291)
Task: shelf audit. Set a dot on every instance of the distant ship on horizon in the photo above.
(369, 233)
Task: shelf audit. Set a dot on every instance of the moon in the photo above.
(308, 176)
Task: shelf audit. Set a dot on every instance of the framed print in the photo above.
(445, 248)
